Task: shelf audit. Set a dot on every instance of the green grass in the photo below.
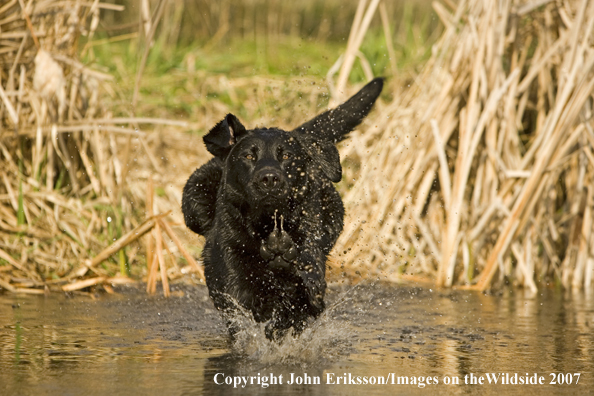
(173, 80)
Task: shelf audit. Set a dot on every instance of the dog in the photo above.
(270, 213)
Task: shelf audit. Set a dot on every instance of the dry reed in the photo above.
(485, 164)
(63, 190)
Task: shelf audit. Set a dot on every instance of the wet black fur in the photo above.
(264, 184)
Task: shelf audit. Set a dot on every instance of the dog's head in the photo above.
(269, 166)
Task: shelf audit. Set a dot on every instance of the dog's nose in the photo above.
(269, 180)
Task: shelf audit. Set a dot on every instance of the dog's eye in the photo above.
(286, 156)
(250, 157)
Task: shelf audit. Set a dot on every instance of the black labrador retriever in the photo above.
(270, 213)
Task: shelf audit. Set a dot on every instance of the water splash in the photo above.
(326, 338)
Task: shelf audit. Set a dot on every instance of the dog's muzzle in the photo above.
(270, 181)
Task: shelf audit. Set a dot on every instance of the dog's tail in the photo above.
(335, 124)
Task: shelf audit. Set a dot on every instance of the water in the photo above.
(130, 343)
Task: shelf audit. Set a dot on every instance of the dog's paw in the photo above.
(278, 242)
(278, 249)
(265, 252)
(279, 263)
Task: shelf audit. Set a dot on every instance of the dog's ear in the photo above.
(224, 135)
(324, 155)
(335, 124)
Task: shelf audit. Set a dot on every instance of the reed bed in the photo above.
(481, 172)
(64, 158)
(477, 173)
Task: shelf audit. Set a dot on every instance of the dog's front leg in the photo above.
(281, 253)
(310, 266)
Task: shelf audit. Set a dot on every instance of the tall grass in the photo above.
(63, 191)
(485, 165)
(212, 23)
(475, 169)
